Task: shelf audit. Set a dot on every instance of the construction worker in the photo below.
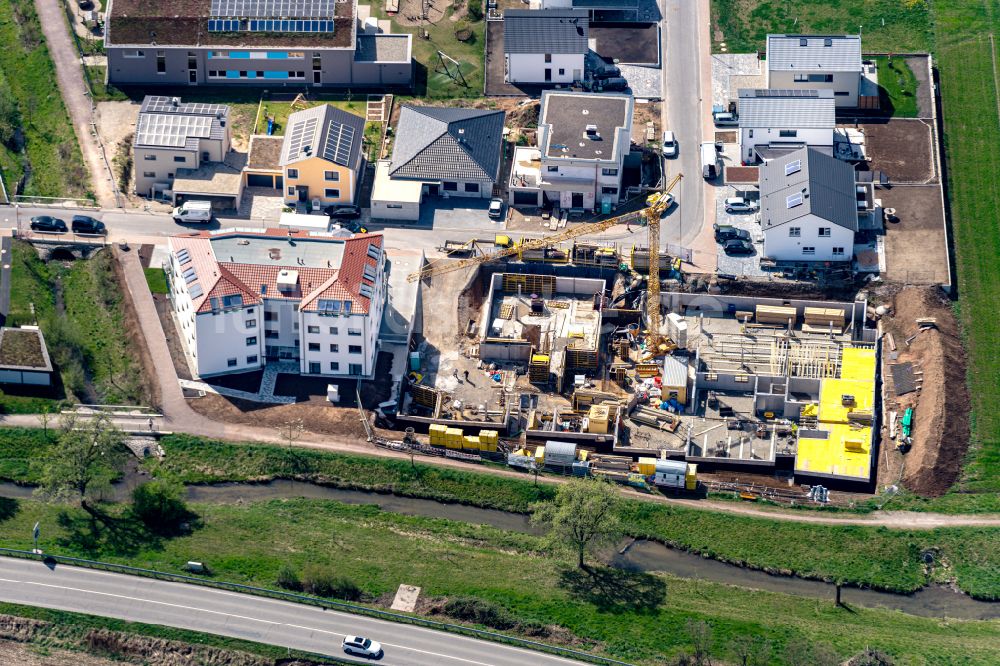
(466, 375)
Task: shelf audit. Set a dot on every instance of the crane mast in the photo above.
(654, 336)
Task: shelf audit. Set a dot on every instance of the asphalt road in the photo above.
(244, 616)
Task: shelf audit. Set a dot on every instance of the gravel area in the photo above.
(748, 266)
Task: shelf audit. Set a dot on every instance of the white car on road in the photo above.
(741, 205)
(362, 647)
(669, 144)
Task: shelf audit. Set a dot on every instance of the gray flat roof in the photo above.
(833, 53)
(309, 253)
(800, 109)
(566, 117)
(382, 48)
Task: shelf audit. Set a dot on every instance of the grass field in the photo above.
(876, 557)
(156, 279)
(744, 24)
(899, 87)
(101, 91)
(80, 310)
(51, 157)
(637, 617)
(280, 111)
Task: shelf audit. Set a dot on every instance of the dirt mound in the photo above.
(19, 628)
(941, 407)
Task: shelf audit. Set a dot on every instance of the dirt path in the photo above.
(69, 75)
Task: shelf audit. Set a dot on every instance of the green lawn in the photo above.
(101, 91)
(899, 87)
(281, 110)
(637, 617)
(157, 280)
(51, 156)
(87, 340)
(744, 24)
(876, 557)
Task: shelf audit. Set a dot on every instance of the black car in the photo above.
(343, 212)
(84, 224)
(616, 83)
(607, 72)
(48, 223)
(725, 232)
(735, 247)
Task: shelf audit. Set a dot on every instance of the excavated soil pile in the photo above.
(941, 407)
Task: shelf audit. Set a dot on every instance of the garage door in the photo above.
(525, 198)
(258, 180)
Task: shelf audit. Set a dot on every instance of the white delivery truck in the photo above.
(304, 222)
(193, 211)
(709, 160)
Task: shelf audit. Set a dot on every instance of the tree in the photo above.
(160, 505)
(583, 515)
(751, 650)
(88, 456)
(700, 633)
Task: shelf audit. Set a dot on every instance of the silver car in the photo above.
(362, 647)
(740, 205)
(669, 144)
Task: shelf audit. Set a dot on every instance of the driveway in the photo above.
(69, 75)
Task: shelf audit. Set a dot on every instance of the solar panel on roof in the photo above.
(339, 140)
(298, 9)
(366, 291)
(196, 290)
(369, 273)
(183, 256)
(301, 136)
(190, 276)
(374, 252)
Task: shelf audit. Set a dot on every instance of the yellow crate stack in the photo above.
(488, 440)
(438, 434)
(453, 438)
(471, 442)
(647, 466)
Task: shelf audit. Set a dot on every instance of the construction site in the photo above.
(570, 348)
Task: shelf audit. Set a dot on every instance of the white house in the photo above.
(242, 297)
(597, 10)
(545, 46)
(172, 136)
(774, 121)
(583, 139)
(439, 151)
(816, 62)
(809, 209)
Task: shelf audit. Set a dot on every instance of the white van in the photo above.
(709, 161)
(193, 211)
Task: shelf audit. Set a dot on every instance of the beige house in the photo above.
(174, 138)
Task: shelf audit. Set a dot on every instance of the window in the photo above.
(743, 379)
(231, 362)
(291, 191)
(270, 334)
(354, 331)
(609, 190)
(251, 323)
(472, 187)
(334, 366)
(251, 341)
(354, 349)
(562, 72)
(552, 169)
(334, 330)
(180, 158)
(788, 134)
(134, 54)
(394, 205)
(794, 232)
(331, 175)
(313, 346)
(609, 172)
(838, 251)
(448, 186)
(751, 134)
(149, 158)
(293, 173)
(312, 329)
(250, 311)
(161, 62)
(354, 368)
(808, 249)
(548, 57)
(821, 78)
(331, 193)
(841, 93)
(270, 316)
(251, 359)
(335, 349)
(801, 78)
(314, 368)
(824, 232)
(149, 174)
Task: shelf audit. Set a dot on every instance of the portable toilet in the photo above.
(414, 361)
(691, 477)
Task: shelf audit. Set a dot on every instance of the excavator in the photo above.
(656, 205)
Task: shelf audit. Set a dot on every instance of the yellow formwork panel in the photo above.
(471, 442)
(847, 452)
(831, 407)
(857, 363)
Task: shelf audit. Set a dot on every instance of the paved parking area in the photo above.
(261, 203)
(745, 266)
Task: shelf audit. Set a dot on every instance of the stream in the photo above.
(640, 555)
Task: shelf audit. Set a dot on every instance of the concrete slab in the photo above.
(406, 598)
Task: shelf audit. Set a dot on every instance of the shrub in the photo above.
(476, 10)
(288, 579)
(324, 583)
(160, 507)
(479, 611)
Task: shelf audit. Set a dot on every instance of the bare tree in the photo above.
(88, 456)
(700, 634)
(583, 515)
(751, 650)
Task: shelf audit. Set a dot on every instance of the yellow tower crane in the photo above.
(654, 338)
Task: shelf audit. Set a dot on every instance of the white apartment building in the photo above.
(816, 62)
(583, 139)
(773, 122)
(243, 297)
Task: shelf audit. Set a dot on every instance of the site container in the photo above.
(647, 466)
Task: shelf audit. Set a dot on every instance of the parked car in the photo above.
(616, 83)
(362, 647)
(48, 224)
(193, 211)
(738, 247)
(727, 232)
(84, 224)
(669, 144)
(724, 118)
(343, 212)
(741, 205)
(496, 208)
(607, 72)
